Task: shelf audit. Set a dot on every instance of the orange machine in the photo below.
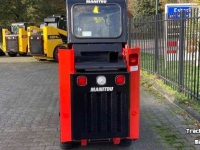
(98, 76)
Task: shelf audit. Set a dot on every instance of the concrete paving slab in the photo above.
(29, 112)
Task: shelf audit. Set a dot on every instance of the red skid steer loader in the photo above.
(98, 75)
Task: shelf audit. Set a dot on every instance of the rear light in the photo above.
(82, 80)
(133, 59)
(101, 80)
(14, 37)
(38, 38)
(120, 79)
(8, 38)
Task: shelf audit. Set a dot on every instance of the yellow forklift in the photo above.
(15, 41)
(44, 45)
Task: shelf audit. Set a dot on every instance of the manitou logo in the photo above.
(101, 89)
(96, 1)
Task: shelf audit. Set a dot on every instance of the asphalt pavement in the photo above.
(29, 112)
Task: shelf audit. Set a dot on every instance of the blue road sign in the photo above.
(174, 11)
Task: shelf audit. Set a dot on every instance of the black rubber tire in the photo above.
(24, 54)
(42, 59)
(12, 54)
(55, 53)
(126, 142)
(67, 145)
(2, 53)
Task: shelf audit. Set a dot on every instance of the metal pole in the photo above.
(181, 51)
(156, 39)
(156, 45)
(157, 1)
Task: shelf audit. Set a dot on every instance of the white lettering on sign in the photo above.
(96, 1)
(101, 89)
(193, 131)
(180, 9)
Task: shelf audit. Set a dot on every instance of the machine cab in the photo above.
(42, 25)
(57, 21)
(91, 21)
(16, 26)
(97, 31)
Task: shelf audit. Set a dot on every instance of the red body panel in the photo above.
(66, 67)
(134, 91)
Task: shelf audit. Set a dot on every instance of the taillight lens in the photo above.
(82, 80)
(120, 79)
(133, 59)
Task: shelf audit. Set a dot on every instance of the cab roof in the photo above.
(54, 18)
(94, 1)
(57, 16)
(21, 23)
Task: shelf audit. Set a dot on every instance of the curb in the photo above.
(192, 113)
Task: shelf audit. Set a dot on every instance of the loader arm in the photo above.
(4, 33)
(63, 35)
(63, 32)
(23, 40)
(53, 37)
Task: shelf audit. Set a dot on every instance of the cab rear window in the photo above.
(97, 21)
